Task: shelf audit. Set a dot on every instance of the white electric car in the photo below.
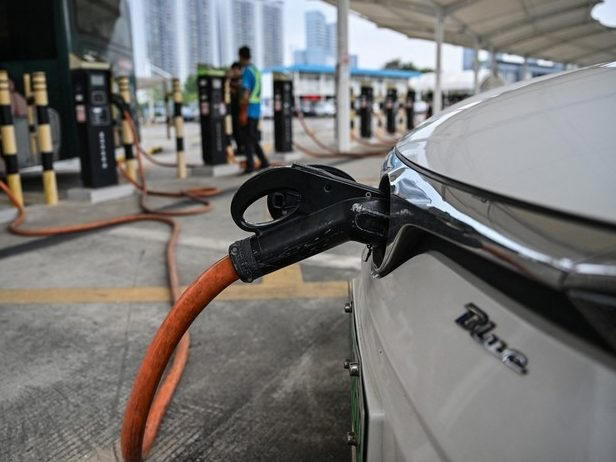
(485, 330)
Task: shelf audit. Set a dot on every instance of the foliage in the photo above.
(190, 89)
(398, 64)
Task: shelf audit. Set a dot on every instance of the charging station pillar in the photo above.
(283, 113)
(212, 111)
(39, 87)
(366, 99)
(353, 112)
(95, 129)
(178, 123)
(9, 144)
(391, 101)
(410, 109)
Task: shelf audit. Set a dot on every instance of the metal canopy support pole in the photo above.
(525, 73)
(342, 78)
(493, 62)
(437, 102)
(476, 68)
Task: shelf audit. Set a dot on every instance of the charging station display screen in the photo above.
(97, 80)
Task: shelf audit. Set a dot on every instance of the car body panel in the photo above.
(549, 141)
(433, 392)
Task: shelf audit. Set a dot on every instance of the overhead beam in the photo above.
(592, 53)
(507, 28)
(402, 4)
(457, 6)
(559, 41)
(539, 32)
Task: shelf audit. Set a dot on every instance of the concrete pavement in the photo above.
(264, 379)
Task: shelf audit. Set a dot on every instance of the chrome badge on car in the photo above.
(479, 326)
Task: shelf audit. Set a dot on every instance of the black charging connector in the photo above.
(314, 208)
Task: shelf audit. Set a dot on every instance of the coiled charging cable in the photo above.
(163, 397)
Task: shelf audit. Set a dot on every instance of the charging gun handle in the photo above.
(313, 210)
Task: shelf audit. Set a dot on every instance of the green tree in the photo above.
(398, 64)
(190, 89)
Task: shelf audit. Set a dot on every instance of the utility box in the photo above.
(366, 99)
(391, 103)
(409, 107)
(91, 85)
(212, 111)
(283, 113)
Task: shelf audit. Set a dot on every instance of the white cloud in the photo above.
(605, 13)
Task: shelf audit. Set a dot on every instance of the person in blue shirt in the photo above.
(250, 110)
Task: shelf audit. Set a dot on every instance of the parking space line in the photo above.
(291, 275)
(286, 283)
(72, 295)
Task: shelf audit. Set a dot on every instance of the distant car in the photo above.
(190, 112)
(325, 109)
(485, 329)
(306, 107)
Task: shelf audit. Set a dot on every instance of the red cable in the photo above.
(139, 406)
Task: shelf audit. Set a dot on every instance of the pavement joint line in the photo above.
(286, 283)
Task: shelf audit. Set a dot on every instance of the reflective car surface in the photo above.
(486, 328)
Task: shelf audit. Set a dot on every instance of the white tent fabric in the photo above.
(557, 30)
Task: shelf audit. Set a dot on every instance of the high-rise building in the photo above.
(331, 40)
(320, 42)
(175, 35)
(273, 33)
(162, 40)
(244, 19)
(316, 30)
(201, 38)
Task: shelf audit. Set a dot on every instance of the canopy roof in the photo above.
(355, 71)
(557, 30)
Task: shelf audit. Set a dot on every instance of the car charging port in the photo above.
(314, 208)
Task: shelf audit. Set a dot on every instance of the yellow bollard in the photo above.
(50, 188)
(178, 122)
(31, 121)
(9, 145)
(127, 133)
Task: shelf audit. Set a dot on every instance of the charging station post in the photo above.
(391, 103)
(95, 130)
(212, 113)
(410, 109)
(366, 100)
(283, 113)
(353, 113)
(9, 144)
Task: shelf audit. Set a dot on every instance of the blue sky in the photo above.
(365, 39)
